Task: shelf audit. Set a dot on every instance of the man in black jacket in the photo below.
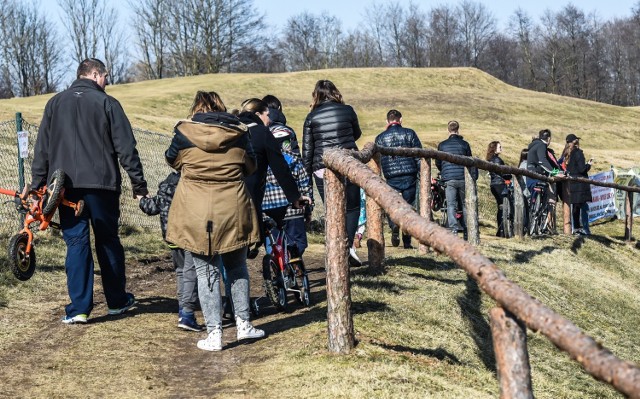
(453, 175)
(85, 133)
(401, 173)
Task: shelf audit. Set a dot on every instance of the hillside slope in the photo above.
(487, 108)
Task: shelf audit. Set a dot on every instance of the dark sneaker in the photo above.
(77, 319)
(408, 246)
(130, 302)
(187, 321)
(395, 236)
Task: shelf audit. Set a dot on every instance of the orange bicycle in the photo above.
(38, 207)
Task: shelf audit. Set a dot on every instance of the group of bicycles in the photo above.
(538, 217)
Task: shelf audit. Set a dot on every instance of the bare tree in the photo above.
(522, 27)
(415, 40)
(374, 34)
(30, 51)
(443, 38)
(478, 27)
(94, 30)
(151, 31)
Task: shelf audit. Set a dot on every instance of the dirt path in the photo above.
(139, 354)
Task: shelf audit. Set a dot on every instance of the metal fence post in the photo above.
(20, 160)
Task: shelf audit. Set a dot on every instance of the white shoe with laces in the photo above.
(213, 342)
(246, 330)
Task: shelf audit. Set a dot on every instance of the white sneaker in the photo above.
(354, 261)
(213, 342)
(246, 330)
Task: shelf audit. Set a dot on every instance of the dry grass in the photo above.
(422, 328)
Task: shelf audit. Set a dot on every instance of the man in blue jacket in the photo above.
(85, 132)
(401, 173)
(453, 175)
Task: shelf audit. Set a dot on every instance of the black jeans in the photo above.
(408, 192)
(353, 206)
(497, 190)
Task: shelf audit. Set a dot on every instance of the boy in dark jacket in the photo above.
(401, 173)
(187, 286)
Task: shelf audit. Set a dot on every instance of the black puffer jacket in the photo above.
(85, 132)
(398, 136)
(161, 202)
(496, 178)
(330, 125)
(456, 145)
(579, 193)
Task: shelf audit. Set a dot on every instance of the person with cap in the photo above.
(453, 175)
(401, 173)
(578, 194)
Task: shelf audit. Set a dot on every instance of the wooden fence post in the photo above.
(471, 204)
(425, 196)
(510, 347)
(375, 225)
(340, 322)
(518, 208)
(566, 217)
(628, 224)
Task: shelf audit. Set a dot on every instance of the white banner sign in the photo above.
(23, 143)
(603, 202)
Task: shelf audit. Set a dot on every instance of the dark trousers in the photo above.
(186, 281)
(101, 212)
(353, 206)
(408, 194)
(497, 190)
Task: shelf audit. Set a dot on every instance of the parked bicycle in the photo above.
(439, 203)
(539, 211)
(507, 209)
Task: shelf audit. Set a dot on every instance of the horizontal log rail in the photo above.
(597, 360)
(489, 166)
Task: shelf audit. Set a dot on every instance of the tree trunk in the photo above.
(471, 203)
(518, 208)
(628, 224)
(375, 226)
(340, 322)
(510, 347)
(566, 217)
(425, 196)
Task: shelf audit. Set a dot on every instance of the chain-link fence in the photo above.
(151, 147)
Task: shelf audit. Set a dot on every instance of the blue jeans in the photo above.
(580, 217)
(101, 212)
(454, 191)
(208, 271)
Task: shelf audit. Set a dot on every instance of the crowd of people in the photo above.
(247, 159)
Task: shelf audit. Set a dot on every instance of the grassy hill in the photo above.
(486, 108)
(422, 328)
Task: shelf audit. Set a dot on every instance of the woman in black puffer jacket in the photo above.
(332, 124)
(497, 184)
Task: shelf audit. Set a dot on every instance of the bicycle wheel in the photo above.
(444, 218)
(534, 216)
(302, 282)
(507, 218)
(23, 264)
(273, 286)
(54, 193)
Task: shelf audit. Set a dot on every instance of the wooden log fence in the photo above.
(517, 307)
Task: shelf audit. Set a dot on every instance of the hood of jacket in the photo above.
(212, 131)
(277, 116)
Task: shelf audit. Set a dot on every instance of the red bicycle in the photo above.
(38, 207)
(283, 269)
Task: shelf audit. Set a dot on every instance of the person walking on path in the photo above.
(453, 176)
(579, 194)
(186, 280)
(401, 173)
(332, 124)
(212, 216)
(85, 132)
